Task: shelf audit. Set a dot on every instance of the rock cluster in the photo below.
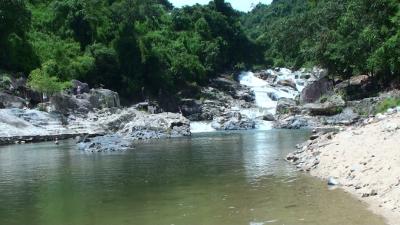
(233, 121)
(219, 102)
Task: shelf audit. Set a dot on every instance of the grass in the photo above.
(387, 104)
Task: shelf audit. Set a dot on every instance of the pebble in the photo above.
(391, 111)
(380, 116)
(332, 181)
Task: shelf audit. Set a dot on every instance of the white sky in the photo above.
(242, 5)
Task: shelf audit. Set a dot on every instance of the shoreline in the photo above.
(364, 160)
(25, 139)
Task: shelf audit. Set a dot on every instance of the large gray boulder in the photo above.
(286, 106)
(331, 106)
(79, 87)
(66, 104)
(346, 117)
(153, 126)
(191, 109)
(288, 83)
(83, 103)
(233, 121)
(316, 90)
(107, 143)
(104, 98)
(11, 101)
(357, 87)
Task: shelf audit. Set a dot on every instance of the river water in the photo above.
(208, 179)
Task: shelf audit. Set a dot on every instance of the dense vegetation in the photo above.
(348, 37)
(135, 47)
(149, 48)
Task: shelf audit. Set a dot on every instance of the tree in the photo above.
(40, 80)
(16, 52)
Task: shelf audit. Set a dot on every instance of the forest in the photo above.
(146, 48)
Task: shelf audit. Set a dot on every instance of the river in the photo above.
(232, 178)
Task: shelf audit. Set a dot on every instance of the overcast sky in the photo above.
(242, 5)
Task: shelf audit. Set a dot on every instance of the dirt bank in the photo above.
(364, 160)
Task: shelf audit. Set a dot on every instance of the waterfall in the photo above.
(267, 93)
(201, 127)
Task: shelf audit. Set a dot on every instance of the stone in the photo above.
(107, 143)
(11, 101)
(286, 106)
(332, 106)
(380, 116)
(79, 87)
(66, 104)
(191, 109)
(104, 98)
(233, 121)
(357, 87)
(391, 111)
(332, 181)
(288, 83)
(269, 117)
(314, 91)
(319, 73)
(346, 117)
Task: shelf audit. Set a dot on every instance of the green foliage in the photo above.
(134, 47)
(148, 47)
(387, 104)
(15, 51)
(348, 37)
(40, 80)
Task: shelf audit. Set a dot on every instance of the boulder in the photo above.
(79, 87)
(366, 106)
(357, 87)
(233, 121)
(244, 94)
(267, 76)
(191, 109)
(107, 143)
(11, 101)
(224, 84)
(331, 106)
(269, 117)
(288, 83)
(150, 107)
(211, 109)
(347, 117)
(153, 126)
(316, 90)
(104, 98)
(319, 73)
(286, 106)
(296, 122)
(66, 104)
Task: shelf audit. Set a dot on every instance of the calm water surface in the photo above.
(209, 179)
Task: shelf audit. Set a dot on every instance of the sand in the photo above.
(364, 160)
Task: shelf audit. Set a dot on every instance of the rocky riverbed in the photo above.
(93, 115)
(279, 98)
(362, 159)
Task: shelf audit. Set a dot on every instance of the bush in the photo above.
(40, 80)
(387, 104)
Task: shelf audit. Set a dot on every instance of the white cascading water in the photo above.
(201, 127)
(266, 97)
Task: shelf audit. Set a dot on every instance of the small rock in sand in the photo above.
(332, 181)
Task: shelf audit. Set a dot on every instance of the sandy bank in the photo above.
(364, 160)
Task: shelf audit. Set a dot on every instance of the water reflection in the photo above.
(210, 179)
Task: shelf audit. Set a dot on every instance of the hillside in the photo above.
(348, 37)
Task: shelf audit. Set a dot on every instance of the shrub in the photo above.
(40, 80)
(387, 104)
